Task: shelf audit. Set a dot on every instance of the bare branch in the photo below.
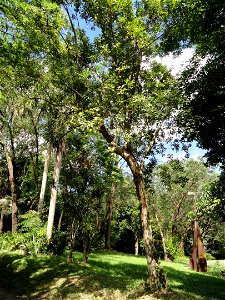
(151, 145)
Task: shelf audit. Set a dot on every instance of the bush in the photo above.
(173, 248)
(33, 232)
(58, 243)
(11, 242)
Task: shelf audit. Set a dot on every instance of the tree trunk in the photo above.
(156, 278)
(108, 218)
(13, 191)
(60, 220)
(136, 244)
(73, 231)
(44, 180)
(2, 219)
(86, 247)
(54, 189)
(161, 234)
(71, 249)
(1, 183)
(11, 169)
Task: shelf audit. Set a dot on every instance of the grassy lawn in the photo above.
(107, 276)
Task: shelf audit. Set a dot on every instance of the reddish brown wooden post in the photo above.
(198, 256)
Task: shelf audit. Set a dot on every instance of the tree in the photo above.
(44, 179)
(173, 183)
(211, 212)
(26, 34)
(85, 182)
(201, 24)
(54, 188)
(135, 103)
(36, 39)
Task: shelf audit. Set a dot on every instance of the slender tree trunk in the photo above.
(108, 218)
(2, 209)
(54, 189)
(2, 219)
(11, 170)
(86, 247)
(60, 220)
(136, 244)
(1, 183)
(44, 179)
(71, 250)
(73, 231)
(36, 169)
(161, 234)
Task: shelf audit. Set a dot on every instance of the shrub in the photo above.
(33, 232)
(58, 243)
(173, 248)
(11, 242)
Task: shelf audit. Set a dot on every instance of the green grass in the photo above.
(106, 276)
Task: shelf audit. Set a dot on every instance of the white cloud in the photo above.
(174, 63)
(177, 63)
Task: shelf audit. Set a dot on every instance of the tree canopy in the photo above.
(200, 24)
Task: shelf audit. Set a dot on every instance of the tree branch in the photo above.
(151, 145)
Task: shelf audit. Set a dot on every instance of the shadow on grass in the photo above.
(195, 285)
(50, 277)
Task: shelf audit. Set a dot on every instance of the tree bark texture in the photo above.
(108, 218)
(54, 189)
(2, 219)
(44, 180)
(60, 220)
(156, 278)
(136, 244)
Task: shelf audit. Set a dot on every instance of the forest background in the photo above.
(75, 106)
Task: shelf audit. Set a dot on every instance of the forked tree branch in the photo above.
(151, 145)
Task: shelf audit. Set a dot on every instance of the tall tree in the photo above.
(135, 103)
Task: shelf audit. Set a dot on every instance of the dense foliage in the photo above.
(80, 94)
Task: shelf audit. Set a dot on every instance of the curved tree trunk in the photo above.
(156, 278)
(44, 179)
(54, 189)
